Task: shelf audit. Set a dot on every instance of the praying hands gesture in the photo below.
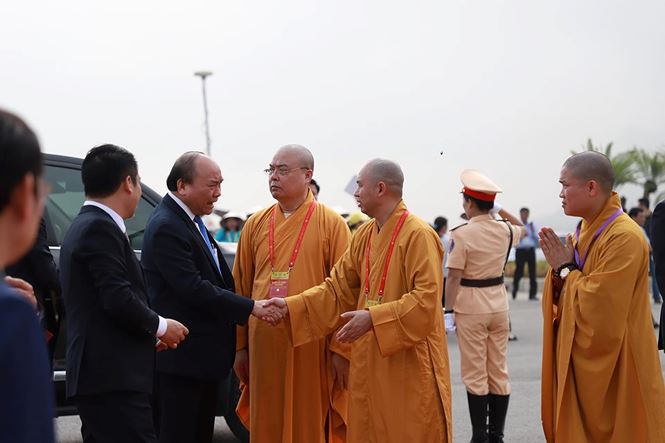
(555, 252)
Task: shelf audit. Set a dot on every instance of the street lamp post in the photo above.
(203, 75)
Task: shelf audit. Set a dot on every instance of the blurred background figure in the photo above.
(356, 220)
(315, 188)
(525, 252)
(38, 268)
(441, 228)
(26, 404)
(639, 216)
(231, 225)
(643, 204)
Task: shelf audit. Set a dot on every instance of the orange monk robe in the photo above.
(290, 390)
(601, 377)
(399, 380)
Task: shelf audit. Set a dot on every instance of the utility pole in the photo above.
(203, 75)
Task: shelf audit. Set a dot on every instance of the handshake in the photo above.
(271, 311)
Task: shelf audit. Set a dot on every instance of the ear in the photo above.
(180, 186)
(382, 188)
(593, 188)
(128, 185)
(308, 175)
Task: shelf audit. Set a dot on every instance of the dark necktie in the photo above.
(204, 233)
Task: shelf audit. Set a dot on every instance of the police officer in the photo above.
(477, 303)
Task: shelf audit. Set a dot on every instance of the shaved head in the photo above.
(592, 165)
(387, 171)
(302, 155)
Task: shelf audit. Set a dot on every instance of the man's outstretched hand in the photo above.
(359, 323)
(271, 311)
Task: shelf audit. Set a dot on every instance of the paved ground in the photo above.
(523, 422)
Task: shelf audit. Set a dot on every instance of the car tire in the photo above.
(232, 420)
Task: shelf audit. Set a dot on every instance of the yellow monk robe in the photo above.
(601, 379)
(290, 390)
(399, 380)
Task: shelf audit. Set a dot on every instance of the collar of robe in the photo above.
(588, 229)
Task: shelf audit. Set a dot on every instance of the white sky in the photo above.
(506, 87)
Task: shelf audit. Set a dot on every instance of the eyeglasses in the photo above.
(282, 171)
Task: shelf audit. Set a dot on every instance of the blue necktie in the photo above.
(204, 233)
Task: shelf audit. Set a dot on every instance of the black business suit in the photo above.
(184, 281)
(110, 330)
(38, 268)
(658, 248)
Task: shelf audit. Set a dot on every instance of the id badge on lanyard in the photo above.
(279, 281)
(369, 302)
(279, 284)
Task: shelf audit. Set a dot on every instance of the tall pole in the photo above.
(203, 75)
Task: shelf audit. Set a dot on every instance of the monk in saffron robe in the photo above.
(288, 392)
(387, 287)
(601, 376)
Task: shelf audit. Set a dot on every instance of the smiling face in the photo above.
(202, 193)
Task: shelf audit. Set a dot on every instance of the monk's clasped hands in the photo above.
(556, 253)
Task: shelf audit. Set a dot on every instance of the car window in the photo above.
(65, 201)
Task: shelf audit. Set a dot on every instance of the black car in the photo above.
(63, 174)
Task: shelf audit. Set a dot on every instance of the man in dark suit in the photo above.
(38, 268)
(26, 391)
(111, 330)
(188, 278)
(658, 250)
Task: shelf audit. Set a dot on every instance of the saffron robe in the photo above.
(601, 376)
(290, 391)
(399, 380)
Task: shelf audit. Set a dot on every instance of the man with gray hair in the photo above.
(601, 376)
(387, 287)
(188, 279)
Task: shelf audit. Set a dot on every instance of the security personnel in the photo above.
(477, 303)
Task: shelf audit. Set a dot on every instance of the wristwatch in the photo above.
(565, 269)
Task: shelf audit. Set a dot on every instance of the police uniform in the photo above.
(479, 249)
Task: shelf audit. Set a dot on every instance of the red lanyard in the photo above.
(296, 249)
(382, 285)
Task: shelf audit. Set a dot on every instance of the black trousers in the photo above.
(528, 256)
(186, 408)
(116, 417)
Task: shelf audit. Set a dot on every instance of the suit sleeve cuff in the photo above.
(161, 329)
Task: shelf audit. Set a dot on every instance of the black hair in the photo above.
(644, 202)
(20, 155)
(634, 212)
(481, 204)
(525, 209)
(183, 169)
(316, 185)
(105, 167)
(440, 222)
